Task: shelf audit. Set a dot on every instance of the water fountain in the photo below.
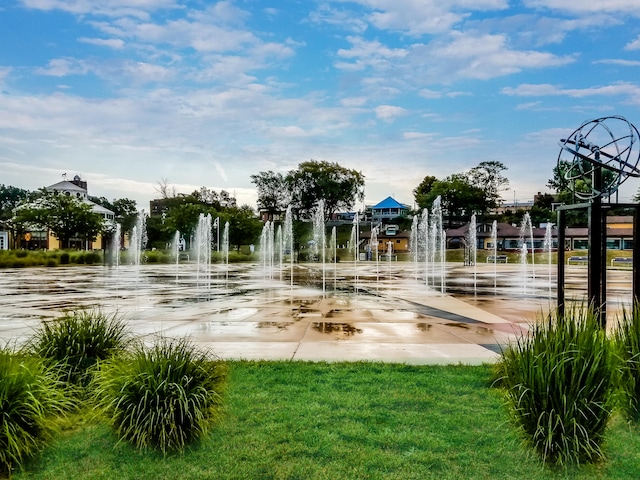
(225, 249)
(114, 246)
(373, 246)
(472, 249)
(414, 246)
(138, 239)
(320, 240)
(334, 251)
(288, 239)
(526, 236)
(494, 246)
(202, 246)
(438, 242)
(354, 244)
(547, 246)
(266, 249)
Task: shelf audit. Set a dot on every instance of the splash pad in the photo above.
(239, 313)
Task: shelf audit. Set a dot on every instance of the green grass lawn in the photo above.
(293, 420)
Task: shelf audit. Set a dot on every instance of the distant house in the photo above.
(46, 241)
(387, 210)
(507, 237)
(390, 239)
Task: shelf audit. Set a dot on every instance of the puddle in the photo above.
(346, 329)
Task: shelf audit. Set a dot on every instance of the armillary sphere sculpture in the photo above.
(608, 144)
(594, 161)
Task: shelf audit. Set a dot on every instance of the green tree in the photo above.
(337, 186)
(64, 215)
(422, 191)
(244, 227)
(488, 177)
(10, 198)
(273, 192)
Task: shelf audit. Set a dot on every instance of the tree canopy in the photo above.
(273, 192)
(475, 191)
(337, 186)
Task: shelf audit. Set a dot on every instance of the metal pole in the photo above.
(560, 262)
(636, 257)
(595, 273)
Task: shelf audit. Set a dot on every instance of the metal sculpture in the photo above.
(594, 161)
(607, 143)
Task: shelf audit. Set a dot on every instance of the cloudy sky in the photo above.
(128, 93)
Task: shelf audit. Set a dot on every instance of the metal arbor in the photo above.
(594, 161)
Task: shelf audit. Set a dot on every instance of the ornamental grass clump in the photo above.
(30, 398)
(161, 397)
(627, 341)
(560, 386)
(77, 341)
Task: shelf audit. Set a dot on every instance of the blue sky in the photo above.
(128, 93)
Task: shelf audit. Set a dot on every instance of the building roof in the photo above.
(66, 186)
(390, 202)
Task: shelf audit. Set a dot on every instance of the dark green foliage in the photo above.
(161, 397)
(29, 397)
(627, 340)
(64, 258)
(75, 342)
(559, 382)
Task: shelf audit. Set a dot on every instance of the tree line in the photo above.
(477, 190)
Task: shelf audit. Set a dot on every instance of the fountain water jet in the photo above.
(138, 239)
(114, 247)
(472, 244)
(202, 247)
(320, 239)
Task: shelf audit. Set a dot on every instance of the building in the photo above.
(508, 237)
(387, 210)
(390, 239)
(44, 240)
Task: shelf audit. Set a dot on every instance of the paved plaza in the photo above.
(370, 311)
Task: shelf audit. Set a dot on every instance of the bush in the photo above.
(163, 396)
(29, 397)
(75, 342)
(559, 382)
(64, 258)
(627, 341)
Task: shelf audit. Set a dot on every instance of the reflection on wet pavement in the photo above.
(388, 315)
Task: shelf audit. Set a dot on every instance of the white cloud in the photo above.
(629, 7)
(60, 67)
(419, 17)
(633, 45)
(540, 90)
(618, 61)
(389, 113)
(114, 43)
(138, 8)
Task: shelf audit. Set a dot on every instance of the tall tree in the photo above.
(422, 192)
(488, 177)
(273, 192)
(10, 198)
(64, 215)
(337, 186)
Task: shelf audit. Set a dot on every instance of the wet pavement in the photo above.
(378, 312)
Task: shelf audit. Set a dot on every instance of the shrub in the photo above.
(64, 258)
(559, 382)
(627, 341)
(75, 342)
(163, 396)
(29, 397)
